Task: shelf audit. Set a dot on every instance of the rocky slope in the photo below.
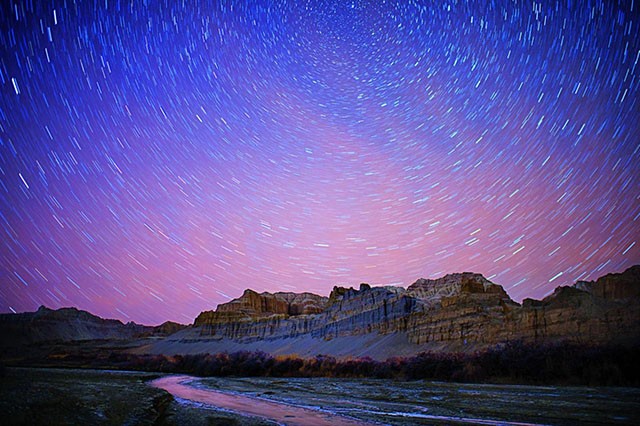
(71, 324)
(462, 311)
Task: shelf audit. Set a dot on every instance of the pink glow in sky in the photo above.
(157, 160)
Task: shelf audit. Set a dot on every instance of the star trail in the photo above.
(158, 157)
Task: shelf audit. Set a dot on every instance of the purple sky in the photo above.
(157, 160)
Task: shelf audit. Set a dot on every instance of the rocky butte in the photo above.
(458, 312)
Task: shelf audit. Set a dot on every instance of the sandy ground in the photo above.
(374, 345)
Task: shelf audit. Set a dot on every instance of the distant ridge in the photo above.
(71, 324)
(461, 312)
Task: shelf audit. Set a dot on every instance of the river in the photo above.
(337, 402)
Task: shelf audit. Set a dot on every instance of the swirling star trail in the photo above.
(158, 157)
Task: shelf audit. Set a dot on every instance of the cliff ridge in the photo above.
(460, 311)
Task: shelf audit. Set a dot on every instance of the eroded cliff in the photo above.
(457, 311)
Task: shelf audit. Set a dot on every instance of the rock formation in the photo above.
(614, 286)
(456, 312)
(452, 285)
(252, 305)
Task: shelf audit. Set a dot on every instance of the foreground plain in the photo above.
(67, 396)
(47, 396)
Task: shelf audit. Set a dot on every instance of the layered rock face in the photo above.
(457, 311)
(614, 286)
(260, 315)
(252, 304)
(346, 312)
(605, 310)
(369, 309)
(462, 309)
(452, 285)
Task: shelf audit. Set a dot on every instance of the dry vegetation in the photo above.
(515, 362)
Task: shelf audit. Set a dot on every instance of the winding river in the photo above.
(282, 413)
(288, 414)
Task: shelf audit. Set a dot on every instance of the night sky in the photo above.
(157, 158)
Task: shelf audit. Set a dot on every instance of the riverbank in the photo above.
(47, 396)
